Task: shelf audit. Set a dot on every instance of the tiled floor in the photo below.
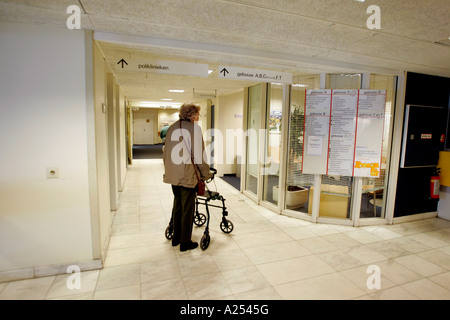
(267, 256)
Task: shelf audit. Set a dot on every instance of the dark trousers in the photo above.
(183, 213)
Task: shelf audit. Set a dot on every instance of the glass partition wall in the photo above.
(336, 190)
(299, 186)
(272, 144)
(255, 100)
(274, 153)
(338, 194)
(373, 197)
(263, 142)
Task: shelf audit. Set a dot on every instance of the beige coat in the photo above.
(179, 144)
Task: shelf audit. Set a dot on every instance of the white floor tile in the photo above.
(266, 257)
(427, 290)
(119, 276)
(163, 290)
(60, 287)
(419, 265)
(395, 293)
(245, 279)
(294, 269)
(331, 286)
(206, 286)
(31, 289)
(276, 252)
(122, 293)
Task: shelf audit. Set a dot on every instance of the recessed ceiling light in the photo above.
(176, 90)
(167, 99)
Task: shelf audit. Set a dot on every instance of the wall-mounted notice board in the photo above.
(316, 131)
(343, 132)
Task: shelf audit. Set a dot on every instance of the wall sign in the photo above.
(161, 66)
(254, 75)
(343, 132)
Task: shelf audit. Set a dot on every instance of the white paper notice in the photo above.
(317, 125)
(342, 132)
(369, 139)
(314, 146)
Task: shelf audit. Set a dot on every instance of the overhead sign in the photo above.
(247, 74)
(161, 66)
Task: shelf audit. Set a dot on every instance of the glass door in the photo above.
(255, 100)
(299, 186)
(337, 190)
(374, 189)
(272, 144)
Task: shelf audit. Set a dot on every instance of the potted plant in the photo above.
(296, 196)
(296, 133)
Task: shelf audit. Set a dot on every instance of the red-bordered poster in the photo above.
(343, 132)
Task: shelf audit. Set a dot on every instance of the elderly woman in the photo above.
(183, 163)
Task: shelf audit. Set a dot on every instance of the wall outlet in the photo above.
(52, 173)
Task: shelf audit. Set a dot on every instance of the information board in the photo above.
(370, 128)
(316, 131)
(343, 132)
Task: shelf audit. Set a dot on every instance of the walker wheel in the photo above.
(204, 242)
(199, 219)
(169, 232)
(226, 226)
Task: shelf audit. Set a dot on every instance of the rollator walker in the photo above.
(200, 219)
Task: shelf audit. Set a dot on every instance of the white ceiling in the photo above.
(302, 37)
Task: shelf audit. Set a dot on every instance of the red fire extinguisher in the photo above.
(435, 184)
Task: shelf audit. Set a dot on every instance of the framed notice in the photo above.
(369, 138)
(316, 131)
(344, 111)
(344, 132)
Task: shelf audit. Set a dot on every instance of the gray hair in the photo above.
(187, 110)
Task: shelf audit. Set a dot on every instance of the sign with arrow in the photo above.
(224, 71)
(258, 75)
(122, 62)
(160, 66)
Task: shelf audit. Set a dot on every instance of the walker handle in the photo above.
(214, 171)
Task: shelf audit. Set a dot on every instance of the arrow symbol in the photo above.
(122, 61)
(224, 71)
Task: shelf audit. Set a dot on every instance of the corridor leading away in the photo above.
(267, 256)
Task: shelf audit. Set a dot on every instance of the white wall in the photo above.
(100, 195)
(121, 139)
(145, 126)
(229, 115)
(166, 116)
(43, 124)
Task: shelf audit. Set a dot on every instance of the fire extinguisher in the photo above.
(435, 184)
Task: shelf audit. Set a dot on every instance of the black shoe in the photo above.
(188, 246)
(175, 243)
